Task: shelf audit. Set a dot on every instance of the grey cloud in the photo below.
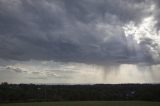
(18, 70)
(68, 31)
(36, 73)
(157, 14)
(151, 50)
(62, 71)
(37, 78)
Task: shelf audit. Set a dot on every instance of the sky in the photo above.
(80, 41)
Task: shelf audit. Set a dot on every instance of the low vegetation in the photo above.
(49, 93)
(88, 103)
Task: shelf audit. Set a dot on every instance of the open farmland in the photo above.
(88, 103)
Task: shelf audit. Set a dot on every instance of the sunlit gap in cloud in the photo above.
(144, 34)
(145, 29)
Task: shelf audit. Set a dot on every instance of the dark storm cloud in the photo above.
(146, 44)
(87, 31)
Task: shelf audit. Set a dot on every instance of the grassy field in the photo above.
(88, 103)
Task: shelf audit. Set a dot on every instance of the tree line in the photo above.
(97, 92)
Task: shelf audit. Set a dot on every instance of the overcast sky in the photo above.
(80, 41)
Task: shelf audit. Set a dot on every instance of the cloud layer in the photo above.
(86, 31)
(76, 73)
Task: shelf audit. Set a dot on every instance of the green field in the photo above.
(88, 103)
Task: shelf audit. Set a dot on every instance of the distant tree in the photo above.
(4, 83)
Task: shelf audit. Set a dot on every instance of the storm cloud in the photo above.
(85, 31)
